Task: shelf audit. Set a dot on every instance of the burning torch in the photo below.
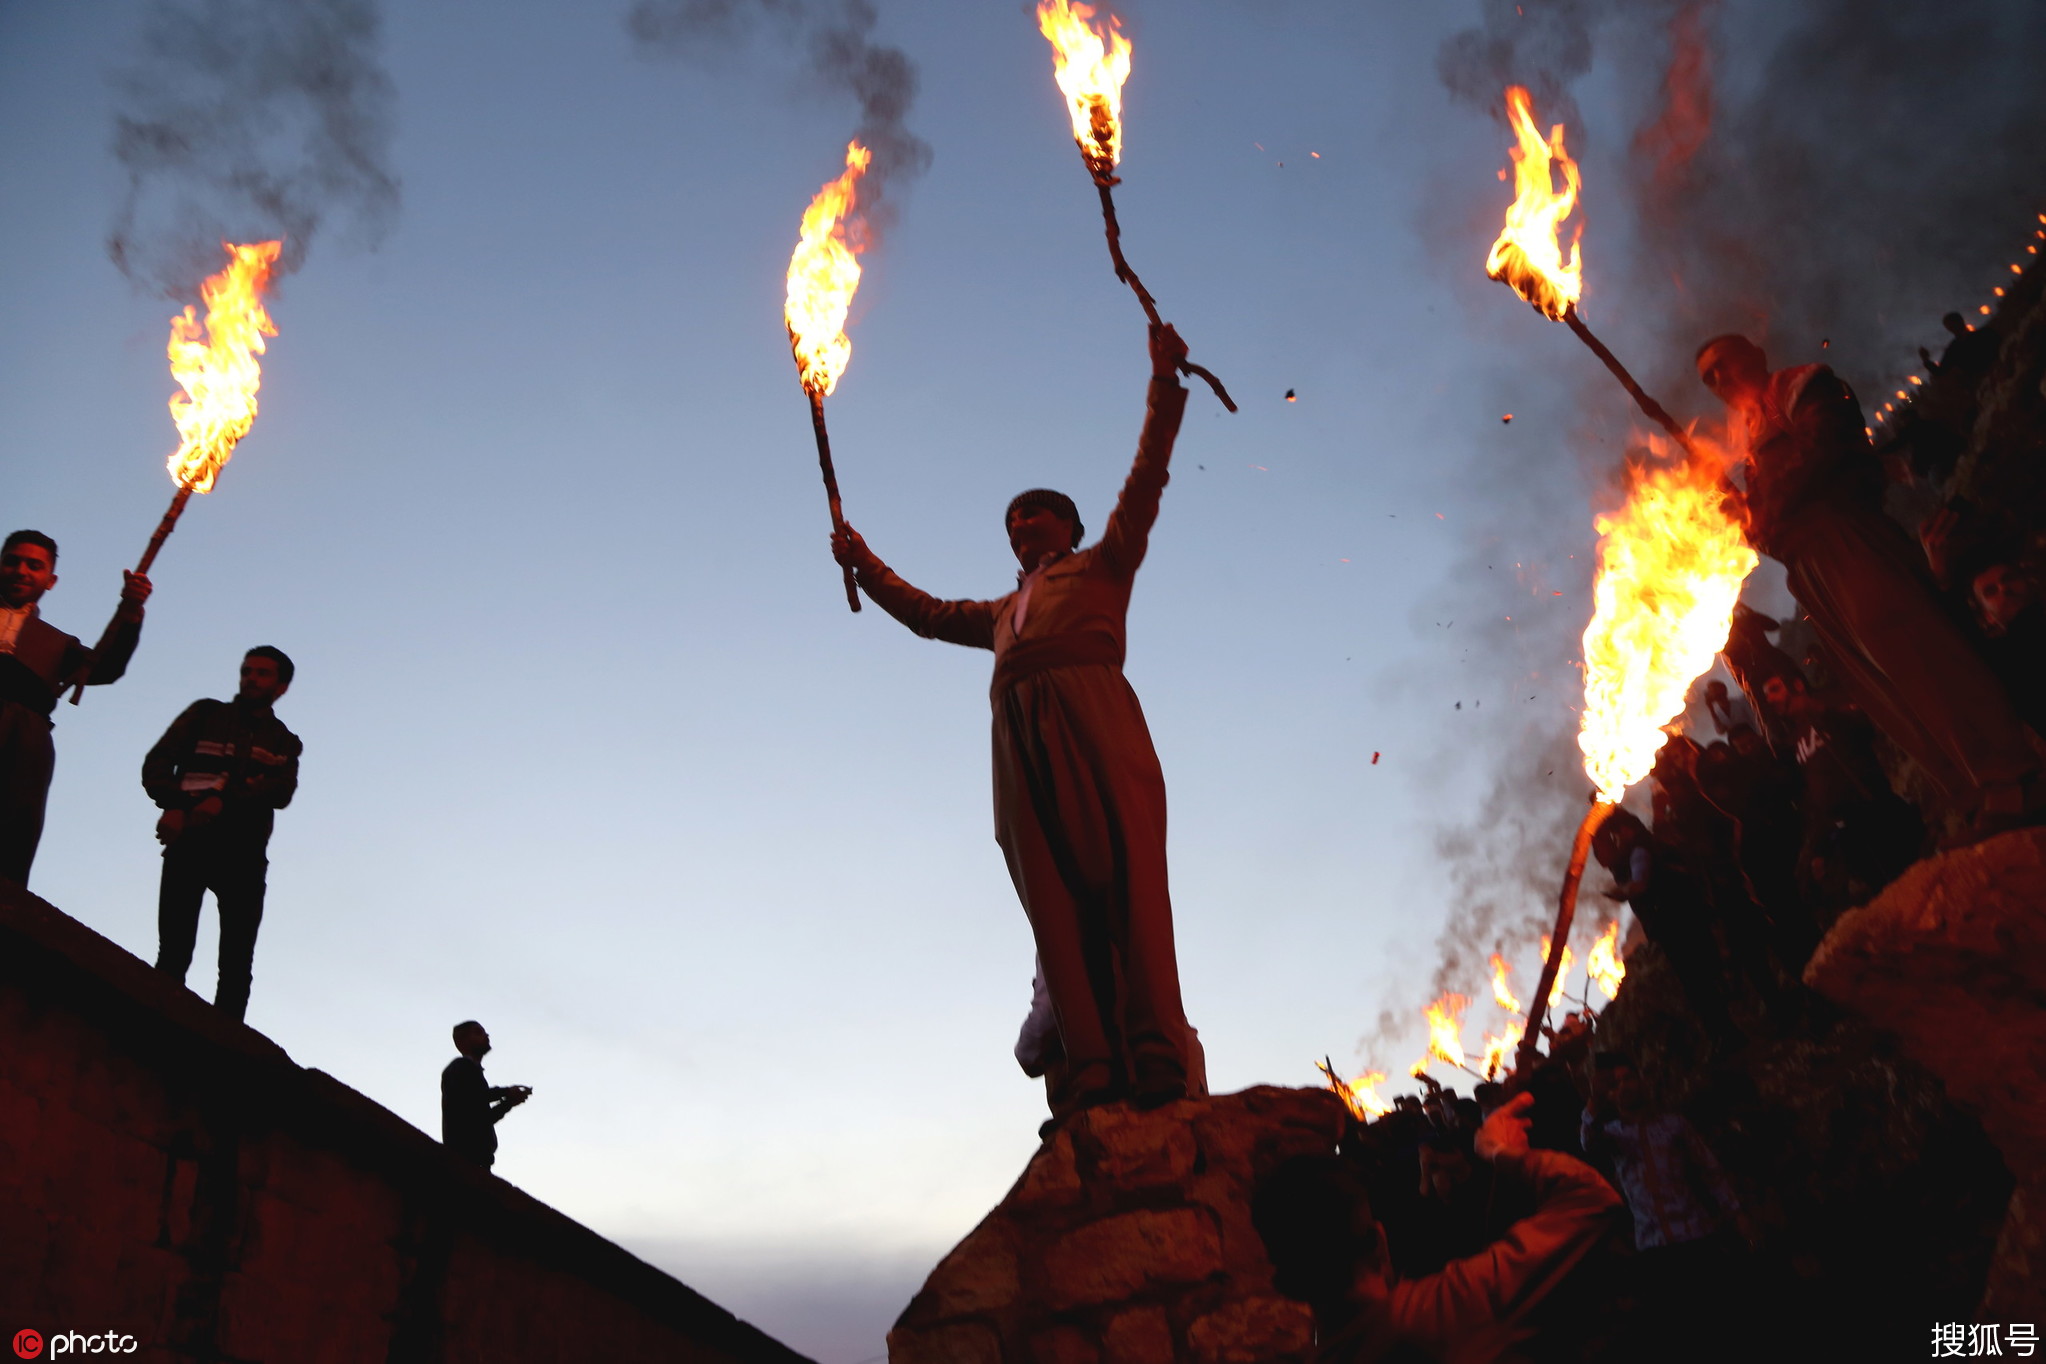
(1670, 563)
(1091, 65)
(824, 274)
(218, 373)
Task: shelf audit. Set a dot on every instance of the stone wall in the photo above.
(1128, 1240)
(172, 1176)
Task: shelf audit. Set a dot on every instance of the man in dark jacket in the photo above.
(37, 662)
(221, 772)
(470, 1105)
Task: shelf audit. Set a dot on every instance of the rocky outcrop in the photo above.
(1128, 1240)
(1951, 961)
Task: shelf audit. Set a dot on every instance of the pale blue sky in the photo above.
(594, 751)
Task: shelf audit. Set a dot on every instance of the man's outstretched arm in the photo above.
(971, 623)
(1129, 527)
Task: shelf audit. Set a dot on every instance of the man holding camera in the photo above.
(470, 1106)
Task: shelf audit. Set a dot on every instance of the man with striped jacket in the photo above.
(221, 772)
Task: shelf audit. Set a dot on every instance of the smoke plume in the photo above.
(835, 38)
(246, 120)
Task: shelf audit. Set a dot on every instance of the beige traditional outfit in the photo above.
(1079, 796)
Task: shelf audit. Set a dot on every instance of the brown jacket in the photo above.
(45, 660)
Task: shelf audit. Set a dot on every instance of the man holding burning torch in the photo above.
(37, 662)
(1814, 500)
(221, 772)
(1079, 794)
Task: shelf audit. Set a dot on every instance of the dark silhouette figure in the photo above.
(1674, 911)
(1968, 357)
(1079, 794)
(37, 662)
(221, 772)
(1814, 502)
(470, 1106)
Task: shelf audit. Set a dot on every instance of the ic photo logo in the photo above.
(30, 1344)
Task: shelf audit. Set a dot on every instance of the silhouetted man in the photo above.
(1079, 795)
(37, 662)
(221, 773)
(1814, 498)
(470, 1106)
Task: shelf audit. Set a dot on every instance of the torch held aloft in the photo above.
(162, 533)
(1566, 912)
(852, 592)
(1654, 410)
(1104, 182)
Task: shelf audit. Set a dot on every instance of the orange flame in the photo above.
(1500, 1046)
(1500, 992)
(1604, 965)
(1090, 65)
(216, 367)
(824, 274)
(1527, 255)
(1445, 1028)
(1562, 971)
(1362, 1097)
(1670, 568)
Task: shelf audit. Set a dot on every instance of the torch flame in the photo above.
(1562, 971)
(1090, 64)
(824, 274)
(1604, 964)
(1500, 992)
(1445, 1028)
(1528, 256)
(1670, 568)
(216, 367)
(1498, 1048)
(1362, 1097)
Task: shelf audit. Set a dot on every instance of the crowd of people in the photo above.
(1898, 713)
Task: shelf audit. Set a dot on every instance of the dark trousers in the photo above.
(27, 758)
(192, 866)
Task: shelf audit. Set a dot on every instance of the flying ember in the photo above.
(216, 367)
(1090, 65)
(1528, 255)
(1670, 568)
(824, 274)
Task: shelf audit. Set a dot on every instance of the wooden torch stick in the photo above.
(1566, 912)
(1654, 410)
(162, 533)
(852, 592)
(1104, 183)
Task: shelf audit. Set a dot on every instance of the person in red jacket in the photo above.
(1079, 794)
(221, 772)
(37, 662)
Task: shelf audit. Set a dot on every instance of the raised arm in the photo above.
(971, 623)
(1129, 526)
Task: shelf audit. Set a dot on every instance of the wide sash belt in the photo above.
(1029, 657)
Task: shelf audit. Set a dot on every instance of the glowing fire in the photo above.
(1670, 568)
(1528, 255)
(1562, 971)
(1500, 1046)
(824, 274)
(1090, 64)
(1445, 1028)
(1604, 964)
(216, 367)
(1500, 992)
(1361, 1094)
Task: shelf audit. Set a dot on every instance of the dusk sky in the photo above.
(595, 752)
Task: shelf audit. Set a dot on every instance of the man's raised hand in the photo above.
(1504, 1135)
